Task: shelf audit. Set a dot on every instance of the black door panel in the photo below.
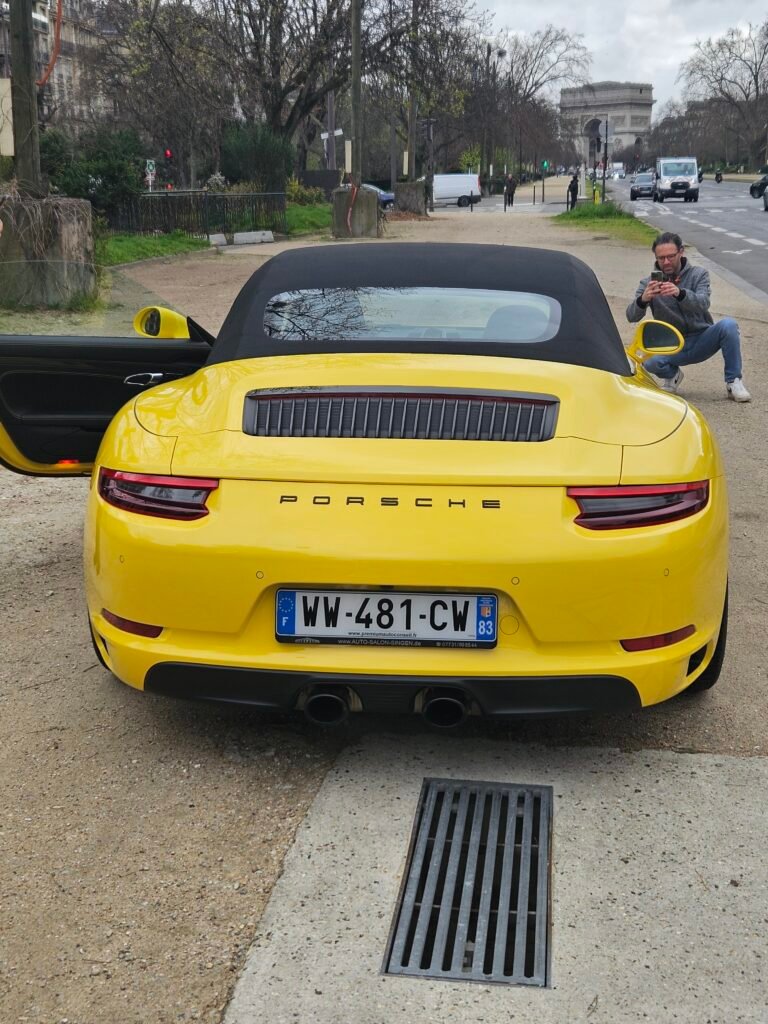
(58, 395)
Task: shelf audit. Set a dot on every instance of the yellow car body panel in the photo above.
(471, 517)
(593, 402)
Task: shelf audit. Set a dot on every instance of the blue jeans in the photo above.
(723, 336)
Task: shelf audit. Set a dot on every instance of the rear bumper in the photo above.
(286, 691)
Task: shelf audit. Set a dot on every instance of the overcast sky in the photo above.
(645, 42)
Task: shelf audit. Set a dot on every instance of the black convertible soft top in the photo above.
(587, 335)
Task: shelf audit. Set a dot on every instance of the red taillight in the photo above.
(129, 626)
(616, 508)
(170, 497)
(651, 643)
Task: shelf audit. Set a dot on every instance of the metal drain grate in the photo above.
(474, 905)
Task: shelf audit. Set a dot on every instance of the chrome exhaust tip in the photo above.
(326, 708)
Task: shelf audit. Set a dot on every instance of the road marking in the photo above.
(755, 241)
(736, 252)
(718, 229)
(734, 234)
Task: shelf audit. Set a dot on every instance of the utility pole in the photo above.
(357, 126)
(331, 129)
(412, 102)
(26, 139)
(605, 157)
(392, 125)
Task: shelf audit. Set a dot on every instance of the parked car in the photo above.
(642, 185)
(456, 189)
(386, 199)
(417, 478)
(757, 188)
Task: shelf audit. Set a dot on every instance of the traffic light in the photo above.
(168, 154)
(545, 164)
(598, 143)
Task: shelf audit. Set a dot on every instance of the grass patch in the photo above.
(610, 219)
(305, 220)
(114, 249)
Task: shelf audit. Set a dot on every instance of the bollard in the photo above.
(471, 201)
(534, 195)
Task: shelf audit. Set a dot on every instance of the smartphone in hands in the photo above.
(657, 275)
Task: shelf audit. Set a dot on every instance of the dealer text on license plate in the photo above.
(385, 618)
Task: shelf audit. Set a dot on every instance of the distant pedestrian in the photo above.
(573, 192)
(510, 186)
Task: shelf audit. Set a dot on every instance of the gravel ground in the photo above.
(140, 838)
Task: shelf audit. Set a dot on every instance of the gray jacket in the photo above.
(689, 313)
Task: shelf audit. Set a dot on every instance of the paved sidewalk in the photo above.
(659, 892)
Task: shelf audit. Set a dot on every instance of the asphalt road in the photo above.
(726, 225)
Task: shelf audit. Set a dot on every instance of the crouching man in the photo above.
(679, 293)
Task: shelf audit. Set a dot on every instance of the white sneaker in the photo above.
(672, 384)
(737, 391)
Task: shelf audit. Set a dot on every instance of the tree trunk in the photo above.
(24, 99)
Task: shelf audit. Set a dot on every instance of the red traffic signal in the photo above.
(168, 154)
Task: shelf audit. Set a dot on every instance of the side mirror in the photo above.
(158, 322)
(654, 338)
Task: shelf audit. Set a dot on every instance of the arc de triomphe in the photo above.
(626, 106)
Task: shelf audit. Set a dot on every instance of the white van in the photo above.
(456, 189)
(677, 177)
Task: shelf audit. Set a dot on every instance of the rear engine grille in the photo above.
(475, 899)
(401, 414)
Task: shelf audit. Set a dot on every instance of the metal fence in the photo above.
(200, 213)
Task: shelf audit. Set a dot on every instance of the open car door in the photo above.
(58, 394)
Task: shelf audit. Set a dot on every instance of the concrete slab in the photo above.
(250, 237)
(217, 239)
(660, 892)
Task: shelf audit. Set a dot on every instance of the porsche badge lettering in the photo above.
(391, 502)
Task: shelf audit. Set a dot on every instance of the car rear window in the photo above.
(339, 314)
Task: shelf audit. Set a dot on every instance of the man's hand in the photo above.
(668, 289)
(652, 291)
(655, 289)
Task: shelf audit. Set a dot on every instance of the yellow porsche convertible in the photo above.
(402, 478)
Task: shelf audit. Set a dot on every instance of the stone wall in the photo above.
(358, 219)
(46, 252)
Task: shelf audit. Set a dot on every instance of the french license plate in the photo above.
(385, 618)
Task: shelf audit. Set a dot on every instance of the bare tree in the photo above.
(734, 70)
(547, 58)
(512, 77)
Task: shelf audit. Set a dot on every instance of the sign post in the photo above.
(150, 173)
